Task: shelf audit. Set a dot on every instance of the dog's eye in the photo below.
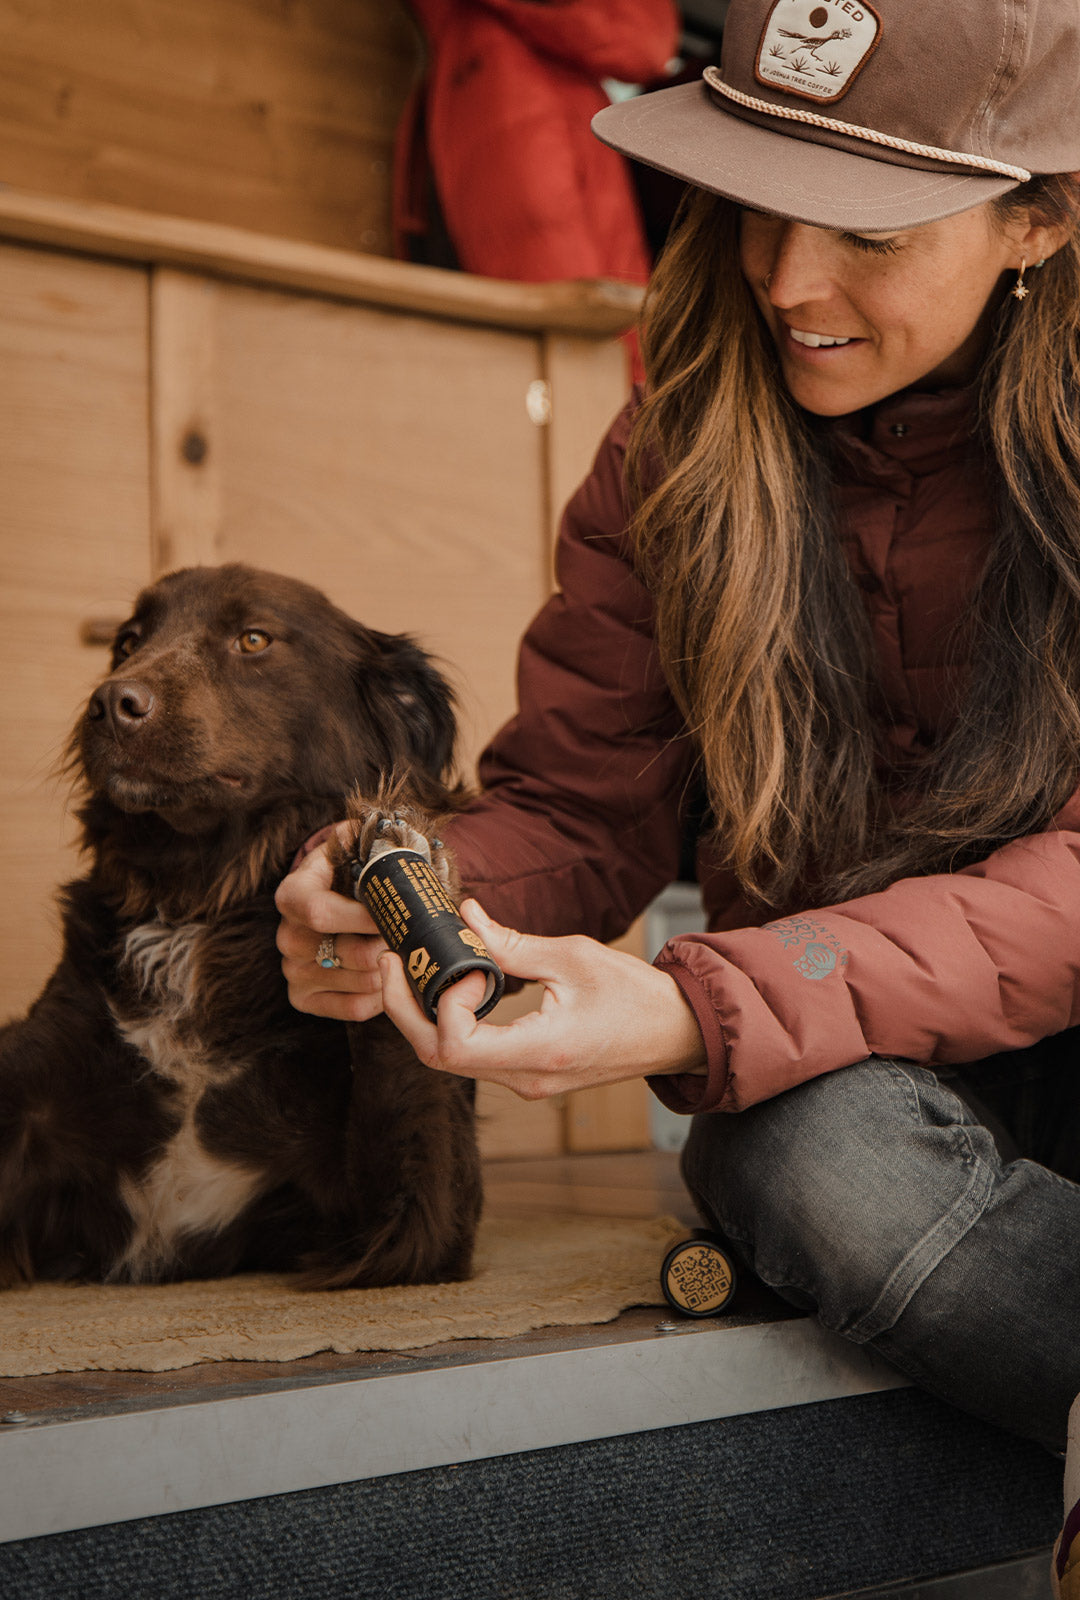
(252, 640)
(126, 643)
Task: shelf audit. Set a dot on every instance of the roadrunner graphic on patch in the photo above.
(816, 48)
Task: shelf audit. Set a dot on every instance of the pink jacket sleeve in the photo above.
(939, 970)
(578, 825)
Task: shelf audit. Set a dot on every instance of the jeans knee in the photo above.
(845, 1192)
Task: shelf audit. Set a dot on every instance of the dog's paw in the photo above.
(376, 828)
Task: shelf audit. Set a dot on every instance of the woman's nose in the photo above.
(800, 269)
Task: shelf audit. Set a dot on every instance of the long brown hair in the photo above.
(761, 631)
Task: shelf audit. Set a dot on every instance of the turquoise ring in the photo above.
(326, 955)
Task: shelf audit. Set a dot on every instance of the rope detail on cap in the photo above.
(794, 114)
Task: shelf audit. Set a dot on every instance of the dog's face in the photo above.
(234, 689)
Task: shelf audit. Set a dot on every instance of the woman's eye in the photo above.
(877, 247)
(251, 641)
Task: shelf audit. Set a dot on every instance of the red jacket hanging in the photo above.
(526, 191)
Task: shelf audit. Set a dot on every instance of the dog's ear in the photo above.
(409, 701)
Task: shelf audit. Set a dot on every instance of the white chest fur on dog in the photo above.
(186, 1190)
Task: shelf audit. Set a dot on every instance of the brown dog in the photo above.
(164, 1112)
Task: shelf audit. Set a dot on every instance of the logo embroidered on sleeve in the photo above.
(816, 48)
(815, 948)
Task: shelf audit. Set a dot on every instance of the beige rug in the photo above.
(532, 1273)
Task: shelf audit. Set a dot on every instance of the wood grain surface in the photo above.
(593, 308)
(275, 115)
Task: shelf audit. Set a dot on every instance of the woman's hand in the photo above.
(309, 911)
(605, 1017)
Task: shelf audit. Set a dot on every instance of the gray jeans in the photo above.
(879, 1197)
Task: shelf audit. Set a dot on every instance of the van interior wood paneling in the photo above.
(74, 512)
(584, 379)
(276, 115)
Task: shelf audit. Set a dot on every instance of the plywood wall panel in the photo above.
(274, 115)
(74, 514)
(186, 503)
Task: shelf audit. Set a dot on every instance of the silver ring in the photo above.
(326, 955)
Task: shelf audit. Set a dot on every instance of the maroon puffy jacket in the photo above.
(579, 825)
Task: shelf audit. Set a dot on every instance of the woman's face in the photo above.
(909, 307)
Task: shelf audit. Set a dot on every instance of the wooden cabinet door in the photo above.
(74, 543)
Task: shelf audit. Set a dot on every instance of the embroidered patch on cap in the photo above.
(816, 48)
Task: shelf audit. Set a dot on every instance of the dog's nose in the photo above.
(125, 706)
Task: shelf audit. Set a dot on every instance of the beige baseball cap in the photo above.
(869, 117)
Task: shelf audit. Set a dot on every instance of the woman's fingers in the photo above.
(306, 898)
(458, 1042)
(300, 947)
(527, 955)
(307, 977)
(515, 1053)
(456, 1010)
(310, 912)
(349, 993)
(403, 1009)
(338, 1006)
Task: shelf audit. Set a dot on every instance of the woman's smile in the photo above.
(806, 342)
(816, 341)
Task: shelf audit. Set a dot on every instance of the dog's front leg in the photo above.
(411, 1189)
(412, 1179)
(68, 1120)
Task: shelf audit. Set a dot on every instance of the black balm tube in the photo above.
(420, 923)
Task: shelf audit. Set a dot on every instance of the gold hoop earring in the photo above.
(1020, 289)
(766, 281)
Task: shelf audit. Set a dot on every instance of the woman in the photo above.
(821, 593)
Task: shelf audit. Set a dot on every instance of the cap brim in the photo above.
(684, 132)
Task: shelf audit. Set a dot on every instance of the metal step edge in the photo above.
(58, 1475)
